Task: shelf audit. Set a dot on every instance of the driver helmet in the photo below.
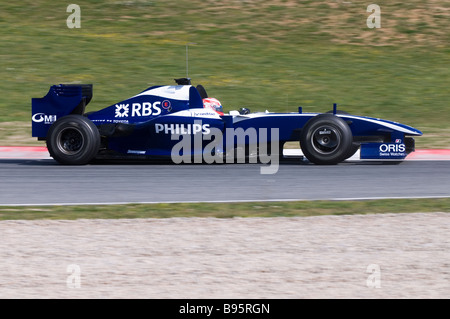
(214, 104)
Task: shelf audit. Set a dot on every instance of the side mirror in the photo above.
(244, 111)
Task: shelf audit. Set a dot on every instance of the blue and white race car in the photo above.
(181, 122)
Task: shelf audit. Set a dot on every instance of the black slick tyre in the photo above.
(326, 140)
(73, 140)
(355, 146)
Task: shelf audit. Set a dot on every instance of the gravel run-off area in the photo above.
(351, 256)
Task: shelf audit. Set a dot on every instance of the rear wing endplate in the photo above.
(61, 100)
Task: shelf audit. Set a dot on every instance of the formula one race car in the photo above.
(174, 122)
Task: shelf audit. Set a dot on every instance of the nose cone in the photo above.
(412, 131)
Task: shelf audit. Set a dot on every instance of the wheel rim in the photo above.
(70, 141)
(326, 139)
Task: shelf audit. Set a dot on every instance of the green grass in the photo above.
(226, 210)
(275, 55)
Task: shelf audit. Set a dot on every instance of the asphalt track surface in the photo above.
(44, 182)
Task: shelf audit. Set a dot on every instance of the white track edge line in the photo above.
(229, 201)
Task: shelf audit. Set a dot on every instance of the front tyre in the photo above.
(326, 139)
(73, 140)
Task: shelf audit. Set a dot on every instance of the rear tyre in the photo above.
(326, 140)
(73, 140)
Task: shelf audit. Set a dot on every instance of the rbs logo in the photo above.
(138, 109)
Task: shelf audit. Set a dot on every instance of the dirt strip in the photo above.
(359, 256)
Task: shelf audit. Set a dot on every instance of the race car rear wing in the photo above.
(61, 100)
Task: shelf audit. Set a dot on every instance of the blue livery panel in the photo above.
(383, 151)
(154, 102)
